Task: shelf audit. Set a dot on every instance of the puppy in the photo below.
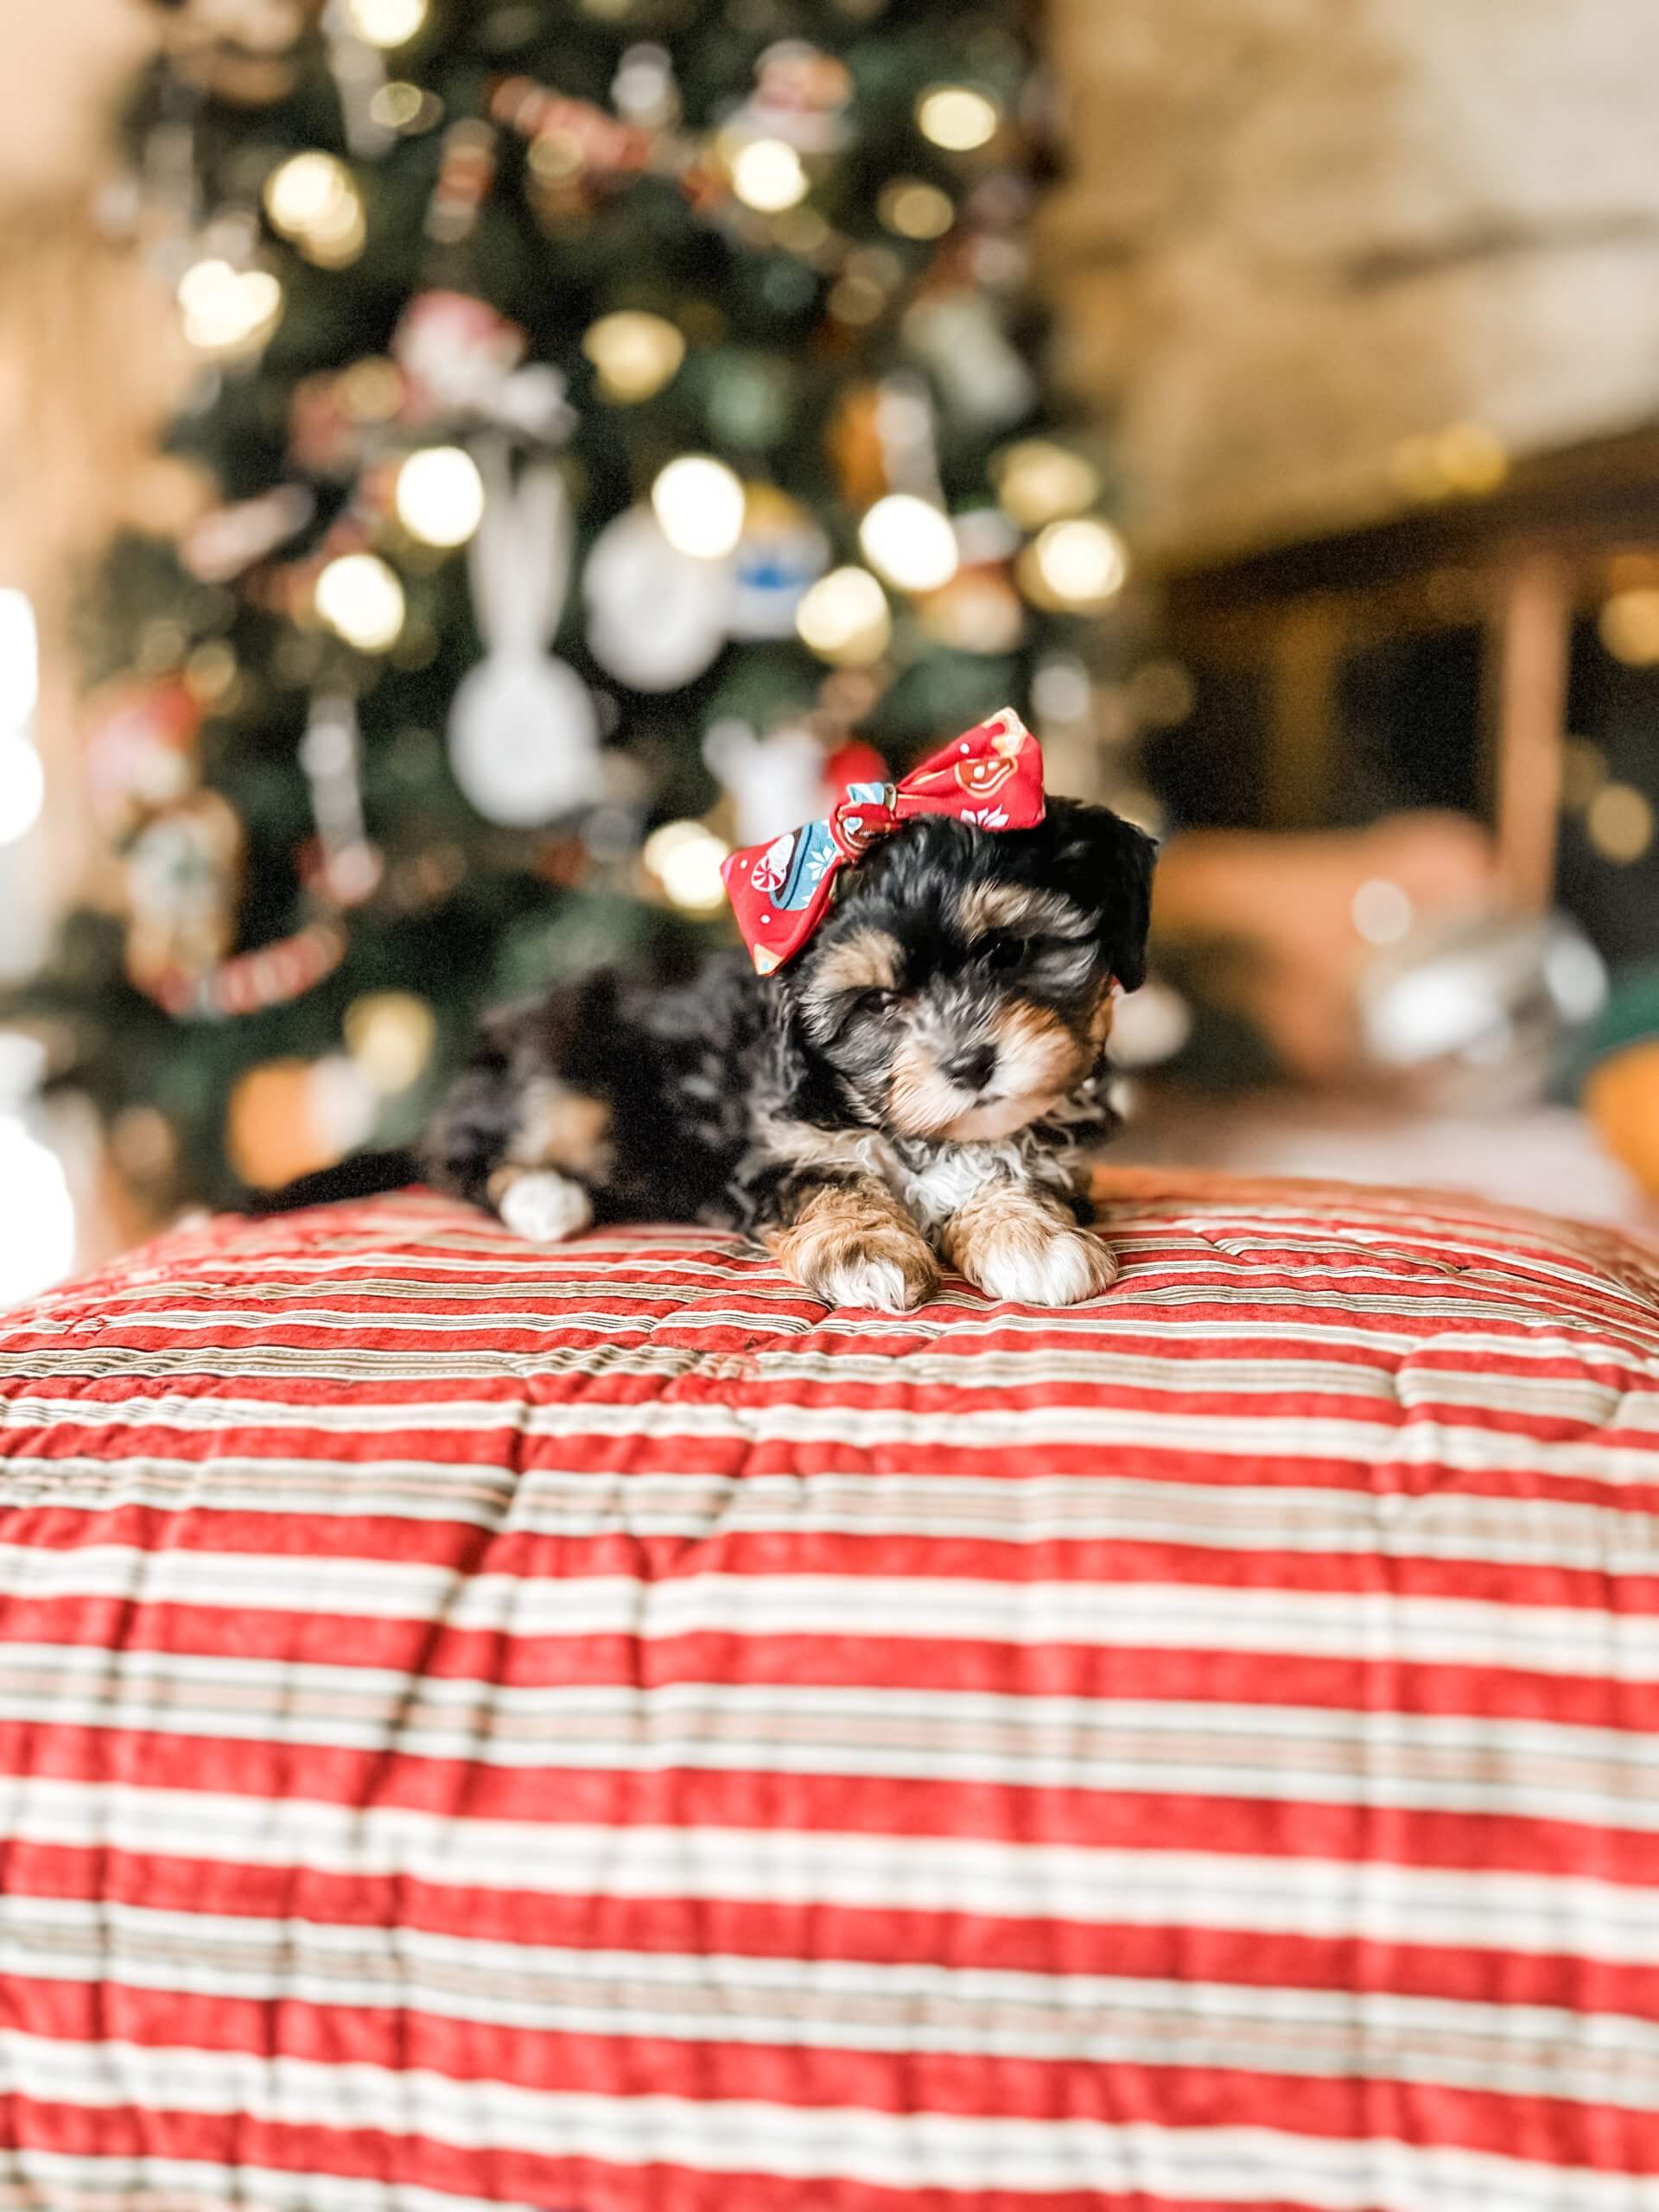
(924, 1077)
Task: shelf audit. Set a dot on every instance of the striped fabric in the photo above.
(590, 1731)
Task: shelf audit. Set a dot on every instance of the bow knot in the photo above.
(991, 776)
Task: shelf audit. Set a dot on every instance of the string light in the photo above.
(767, 175)
(311, 197)
(1629, 624)
(439, 496)
(686, 860)
(957, 118)
(401, 107)
(360, 599)
(389, 1034)
(1037, 482)
(699, 506)
(1618, 823)
(228, 311)
(636, 354)
(386, 23)
(845, 618)
(1078, 565)
(910, 542)
(916, 209)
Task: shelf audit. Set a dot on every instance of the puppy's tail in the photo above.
(364, 1175)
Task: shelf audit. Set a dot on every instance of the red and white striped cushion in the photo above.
(590, 1730)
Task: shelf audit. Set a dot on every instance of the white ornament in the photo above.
(523, 729)
(775, 782)
(656, 619)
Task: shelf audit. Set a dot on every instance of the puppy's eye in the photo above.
(876, 1001)
(1003, 953)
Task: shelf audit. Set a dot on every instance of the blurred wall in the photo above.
(1299, 235)
(87, 354)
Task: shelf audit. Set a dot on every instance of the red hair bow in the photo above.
(992, 775)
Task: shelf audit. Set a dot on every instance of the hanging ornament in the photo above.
(140, 738)
(656, 618)
(184, 881)
(800, 96)
(781, 554)
(347, 867)
(228, 540)
(524, 727)
(464, 363)
(771, 783)
(960, 336)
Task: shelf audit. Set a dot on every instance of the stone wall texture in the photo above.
(1297, 233)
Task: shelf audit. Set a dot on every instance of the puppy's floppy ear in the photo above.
(1105, 862)
(799, 1085)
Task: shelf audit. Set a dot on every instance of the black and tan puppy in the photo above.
(924, 1077)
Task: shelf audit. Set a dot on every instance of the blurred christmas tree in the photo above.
(614, 410)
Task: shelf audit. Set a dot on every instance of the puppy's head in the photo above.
(961, 986)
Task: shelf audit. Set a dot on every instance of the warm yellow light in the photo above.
(440, 495)
(767, 173)
(307, 189)
(845, 618)
(686, 859)
(361, 600)
(957, 118)
(916, 209)
(1630, 627)
(636, 354)
(910, 542)
(398, 105)
(1618, 823)
(228, 311)
(1038, 481)
(391, 1034)
(386, 23)
(699, 506)
(1078, 565)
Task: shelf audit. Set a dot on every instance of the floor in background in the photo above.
(1548, 1156)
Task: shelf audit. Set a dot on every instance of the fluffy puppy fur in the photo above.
(924, 1077)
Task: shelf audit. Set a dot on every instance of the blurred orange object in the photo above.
(1621, 1096)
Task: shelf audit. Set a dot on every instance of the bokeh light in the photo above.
(635, 353)
(845, 618)
(228, 311)
(956, 117)
(699, 504)
(767, 175)
(386, 23)
(911, 542)
(440, 495)
(360, 599)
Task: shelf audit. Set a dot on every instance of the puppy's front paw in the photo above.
(1024, 1249)
(891, 1272)
(546, 1209)
(851, 1250)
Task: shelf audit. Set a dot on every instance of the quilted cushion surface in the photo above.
(590, 1730)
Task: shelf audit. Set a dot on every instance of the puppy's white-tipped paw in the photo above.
(891, 1283)
(1023, 1255)
(546, 1209)
(1062, 1268)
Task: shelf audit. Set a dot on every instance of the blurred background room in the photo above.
(471, 463)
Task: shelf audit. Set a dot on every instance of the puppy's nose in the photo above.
(972, 1068)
